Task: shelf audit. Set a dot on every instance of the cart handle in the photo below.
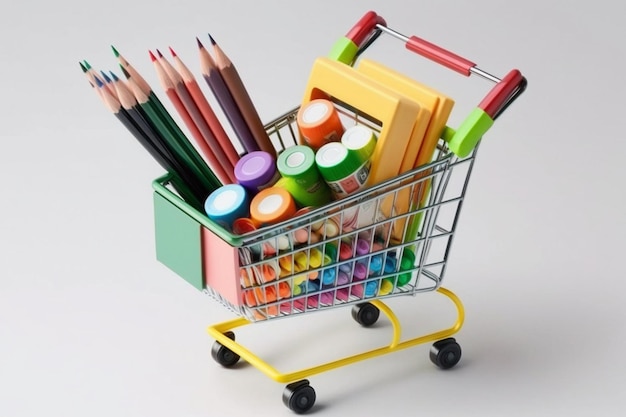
(462, 140)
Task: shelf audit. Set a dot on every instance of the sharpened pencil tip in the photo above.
(211, 39)
(152, 57)
(115, 78)
(105, 76)
(87, 65)
(82, 67)
(117, 54)
(159, 54)
(199, 43)
(126, 73)
(99, 82)
(172, 52)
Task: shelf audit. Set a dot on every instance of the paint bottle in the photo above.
(256, 171)
(301, 177)
(360, 141)
(319, 123)
(343, 171)
(227, 203)
(272, 205)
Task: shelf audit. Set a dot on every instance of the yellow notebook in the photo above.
(439, 105)
(397, 114)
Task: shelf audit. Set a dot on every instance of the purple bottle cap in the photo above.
(255, 169)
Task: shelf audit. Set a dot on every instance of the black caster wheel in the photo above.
(222, 355)
(445, 353)
(366, 314)
(299, 396)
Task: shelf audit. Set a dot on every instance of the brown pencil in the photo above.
(242, 98)
(209, 143)
(168, 85)
(223, 141)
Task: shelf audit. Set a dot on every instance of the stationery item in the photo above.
(360, 141)
(223, 142)
(256, 171)
(272, 205)
(242, 99)
(301, 177)
(319, 123)
(155, 140)
(343, 171)
(176, 141)
(218, 86)
(227, 203)
(407, 263)
(395, 113)
(179, 178)
(178, 94)
(440, 107)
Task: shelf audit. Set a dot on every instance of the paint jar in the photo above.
(272, 205)
(256, 171)
(301, 177)
(227, 203)
(343, 171)
(319, 123)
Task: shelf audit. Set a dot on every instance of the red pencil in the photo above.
(199, 98)
(170, 90)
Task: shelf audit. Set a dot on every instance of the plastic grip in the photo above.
(494, 101)
(440, 55)
(364, 27)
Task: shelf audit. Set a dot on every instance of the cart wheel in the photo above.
(366, 314)
(299, 396)
(222, 355)
(445, 353)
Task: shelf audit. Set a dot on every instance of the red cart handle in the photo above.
(506, 90)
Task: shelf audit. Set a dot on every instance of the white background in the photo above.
(92, 325)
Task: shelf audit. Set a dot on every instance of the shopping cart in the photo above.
(345, 253)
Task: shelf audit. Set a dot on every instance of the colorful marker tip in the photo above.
(211, 39)
(117, 54)
(152, 57)
(172, 52)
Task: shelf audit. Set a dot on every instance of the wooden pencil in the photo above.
(223, 141)
(175, 138)
(173, 84)
(242, 98)
(129, 104)
(115, 107)
(216, 83)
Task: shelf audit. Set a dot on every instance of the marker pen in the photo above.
(407, 263)
(319, 123)
(256, 171)
(227, 203)
(301, 177)
(271, 205)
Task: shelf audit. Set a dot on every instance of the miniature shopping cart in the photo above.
(356, 251)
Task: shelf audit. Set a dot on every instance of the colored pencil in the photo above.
(115, 107)
(175, 138)
(173, 84)
(242, 98)
(131, 106)
(155, 103)
(216, 83)
(223, 141)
